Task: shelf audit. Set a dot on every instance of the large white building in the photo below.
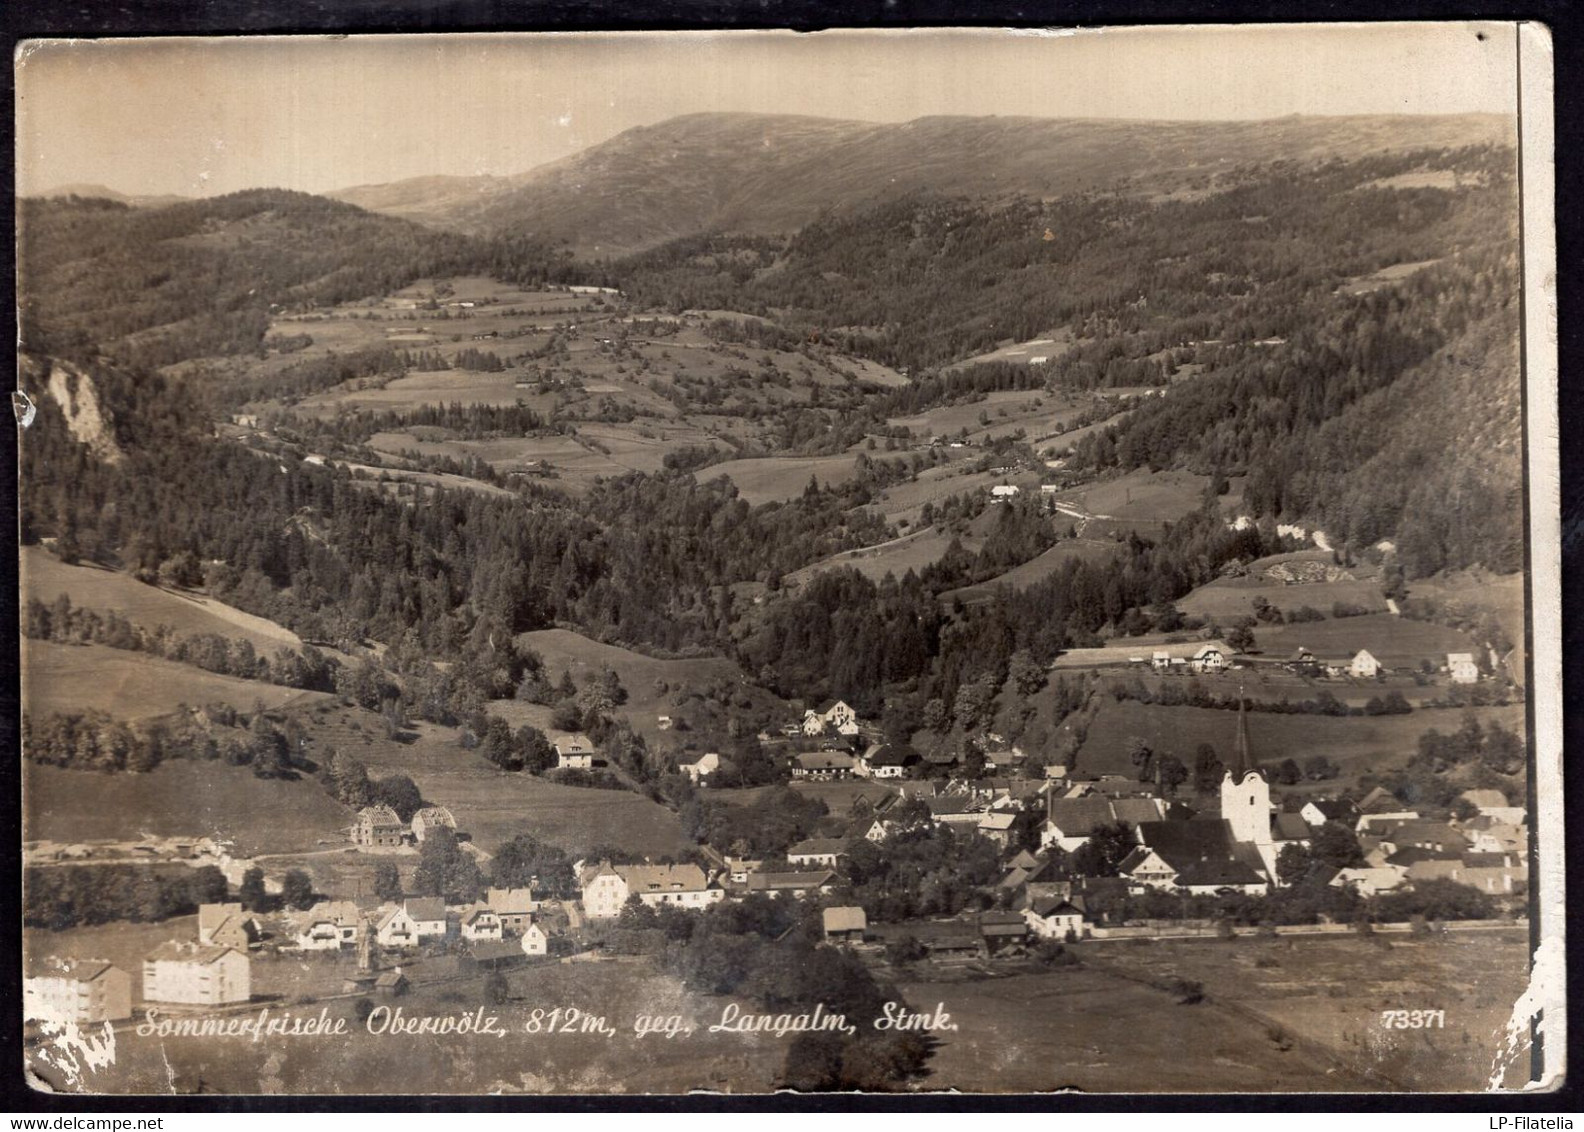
(606, 887)
(81, 991)
(196, 974)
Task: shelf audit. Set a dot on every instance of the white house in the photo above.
(1369, 881)
(1052, 917)
(607, 887)
(431, 818)
(534, 940)
(706, 765)
(1160, 661)
(514, 907)
(330, 926)
(1363, 666)
(1462, 669)
(196, 974)
(84, 991)
(1004, 491)
(889, 761)
(1493, 804)
(574, 752)
(834, 718)
(481, 924)
(822, 765)
(428, 915)
(1209, 658)
(817, 851)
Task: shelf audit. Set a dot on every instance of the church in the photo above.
(1236, 852)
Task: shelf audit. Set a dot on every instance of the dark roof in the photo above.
(425, 907)
(760, 882)
(1220, 872)
(1335, 809)
(822, 846)
(892, 755)
(1052, 905)
(1290, 827)
(824, 760)
(1079, 817)
(1183, 843)
(1413, 855)
(494, 951)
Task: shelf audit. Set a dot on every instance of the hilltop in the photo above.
(772, 173)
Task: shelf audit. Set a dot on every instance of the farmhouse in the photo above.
(1363, 666)
(428, 915)
(1208, 658)
(226, 925)
(606, 887)
(708, 768)
(835, 718)
(481, 924)
(890, 761)
(1462, 669)
(330, 925)
(196, 974)
(823, 765)
(83, 991)
(1052, 917)
(997, 827)
(492, 955)
(825, 851)
(429, 819)
(797, 884)
(1323, 810)
(514, 907)
(378, 827)
(845, 924)
(574, 752)
(1069, 822)
(1004, 492)
(957, 811)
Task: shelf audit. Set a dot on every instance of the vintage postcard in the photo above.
(987, 561)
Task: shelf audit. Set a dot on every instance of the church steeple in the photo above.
(1242, 753)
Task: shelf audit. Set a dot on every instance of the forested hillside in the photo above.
(151, 286)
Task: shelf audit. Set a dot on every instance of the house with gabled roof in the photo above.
(835, 717)
(574, 752)
(226, 925)
(798, 884)
(1319, 811)
(378, 827)
(888, 761)
(196, 974)
(481, 924)
(1493, 804)
(1462, 668)
(846, 924)
(1369, 880)
(514, 907)
(80, 991)
(1363, 666)
(429, 819)
(1053, 917)
(428, 914)
(826, 851)
(820, 765)
(607, 887)
(330, 925)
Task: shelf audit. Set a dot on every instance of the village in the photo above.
(1077, 861)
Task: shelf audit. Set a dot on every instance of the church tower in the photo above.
(1245, 795)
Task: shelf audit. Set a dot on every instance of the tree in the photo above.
(1108, 846)
(1292, 863)
(387, 882)
(1171, 772)
(635, 915)
(1208, 770)
(1141, 756)
(251, 892)
(1241, 638)
(297, 889)
(444, 870)
(208, 885)
(400, 793)
(1287, 773)
(1336, 845)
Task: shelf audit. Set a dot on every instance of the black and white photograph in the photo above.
(953, 561)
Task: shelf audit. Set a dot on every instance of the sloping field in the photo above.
(133, 685)
(1038, 569)
(493, 805)
(1047, 345)
(1394, 641)
(1141, 494)
(910, 552)
(93, 587)
(1227, 598)
(1358, 744)
(181, 798)
(776, 479)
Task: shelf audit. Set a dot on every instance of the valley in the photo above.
(788, 563)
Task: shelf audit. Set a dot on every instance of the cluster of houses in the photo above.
(1216, 656)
